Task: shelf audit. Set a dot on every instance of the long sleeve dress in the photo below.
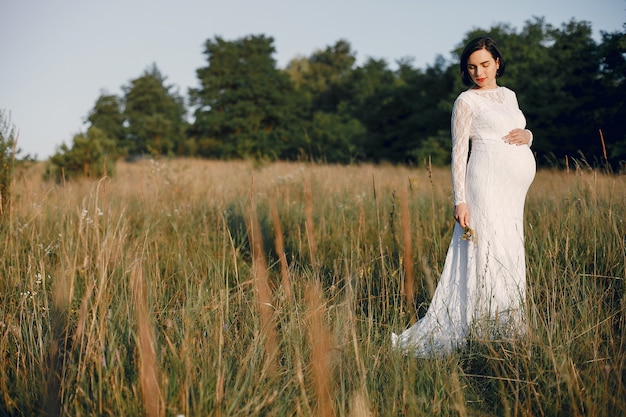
(482, 288)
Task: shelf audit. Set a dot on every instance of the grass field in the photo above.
(203, 288)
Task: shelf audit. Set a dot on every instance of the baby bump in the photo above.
(508, 165)
(518, 165)
(499, 177)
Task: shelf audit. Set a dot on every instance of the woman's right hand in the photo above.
(461, 214)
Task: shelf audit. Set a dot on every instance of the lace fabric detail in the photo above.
(461, 125)
(497, 95)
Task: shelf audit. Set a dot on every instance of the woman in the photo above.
(482, 289)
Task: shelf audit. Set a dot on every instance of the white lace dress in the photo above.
(482, 288)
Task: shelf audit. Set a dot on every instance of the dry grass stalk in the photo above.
(381, 245)
(359, 405)
(153, 401)
(54, 365)
(220, 369)
(310, 228)
(458, 399)
(606, 159)
(262, 286)
(409, 287)
(82, 315)
(320, 350)
(280, 250)
(54, 359)
(359, 402)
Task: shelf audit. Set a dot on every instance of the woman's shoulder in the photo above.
(507, 91)
(464, 96)
(467, 97)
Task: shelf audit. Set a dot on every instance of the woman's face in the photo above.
(482, 69)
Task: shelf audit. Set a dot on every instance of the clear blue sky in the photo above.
(57, 56)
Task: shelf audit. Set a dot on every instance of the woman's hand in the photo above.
(461, 214)
(518, 137)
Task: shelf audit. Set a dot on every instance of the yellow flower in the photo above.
(468, 234)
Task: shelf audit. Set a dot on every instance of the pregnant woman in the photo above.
(482, 288)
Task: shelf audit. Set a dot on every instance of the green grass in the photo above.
(161, 292)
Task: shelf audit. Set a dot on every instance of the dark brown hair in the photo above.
(476, 44)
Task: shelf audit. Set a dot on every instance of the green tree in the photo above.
(87, 157)
(325, 73)
(360, 90)
(404, 109)
(333, 133)
(570, 120)
(108, 116)
(612, 99)
(245, 107)
(334, 138)
(366, 94)
(297, 69)
(155, 115)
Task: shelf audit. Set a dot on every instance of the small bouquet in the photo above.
(468, 234)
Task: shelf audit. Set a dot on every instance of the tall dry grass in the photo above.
(228, 289)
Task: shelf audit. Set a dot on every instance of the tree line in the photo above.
(326, 108)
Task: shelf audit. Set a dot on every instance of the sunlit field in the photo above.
(198, 288)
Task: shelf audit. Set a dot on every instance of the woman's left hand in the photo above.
(517, 137)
